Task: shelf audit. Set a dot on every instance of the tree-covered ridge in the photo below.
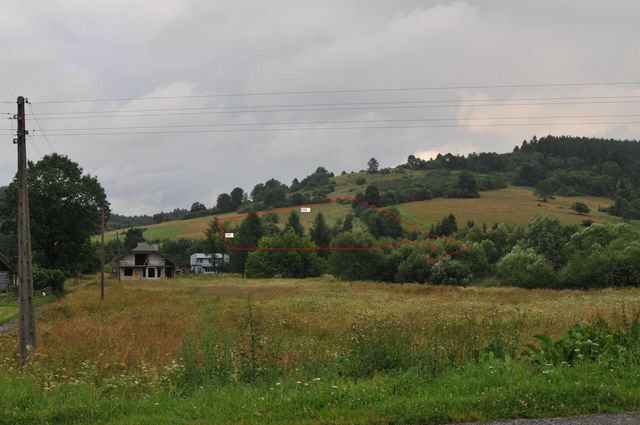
(562, 165)
(555, 165)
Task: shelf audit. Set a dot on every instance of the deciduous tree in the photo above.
(65, 206)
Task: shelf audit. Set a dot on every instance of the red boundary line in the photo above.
(463, 245)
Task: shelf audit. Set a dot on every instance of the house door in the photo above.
(151, 272)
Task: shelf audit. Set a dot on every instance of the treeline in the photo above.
(264, 196)
(541, 254)
(118, 221)
(563, 165)
(462, 185)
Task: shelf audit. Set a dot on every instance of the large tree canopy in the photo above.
(65, 207)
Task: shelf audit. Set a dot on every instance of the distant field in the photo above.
(194, 228)
(513, 205)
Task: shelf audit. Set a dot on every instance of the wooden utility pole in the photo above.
(27, 319)
(102, 254)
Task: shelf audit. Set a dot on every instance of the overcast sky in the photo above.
(105, 49)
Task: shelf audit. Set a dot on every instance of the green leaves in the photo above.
(597, 342)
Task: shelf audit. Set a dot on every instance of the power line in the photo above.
(366, 90)
(344, 128)
(340, 109)
(35, 147)
(397, 102)
(341, 122)
(40, 127)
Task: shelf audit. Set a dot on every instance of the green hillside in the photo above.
(512, 205)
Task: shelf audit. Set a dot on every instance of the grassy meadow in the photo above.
(7, 312)
(226, 350)
(194, 228)
(512, 205)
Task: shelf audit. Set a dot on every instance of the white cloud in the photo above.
(75, 49)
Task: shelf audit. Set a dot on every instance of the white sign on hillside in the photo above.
(228, 235)
(305, 209)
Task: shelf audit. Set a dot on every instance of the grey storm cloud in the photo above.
(140, 49)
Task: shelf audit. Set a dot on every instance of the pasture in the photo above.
(227, 350)
(512, 205)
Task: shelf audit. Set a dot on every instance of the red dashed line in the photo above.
(463, 245)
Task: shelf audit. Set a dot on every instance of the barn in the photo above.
(145, 262)
(5, 273)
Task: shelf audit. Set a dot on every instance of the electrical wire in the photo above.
(305, 105)
(33, 114)
(337, 109)
(342, 122)
(361, 90)
(35, 147)
(343, 128)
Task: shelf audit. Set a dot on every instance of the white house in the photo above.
(207, 263)
(145, 262)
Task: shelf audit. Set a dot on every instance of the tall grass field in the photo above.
(227, 350)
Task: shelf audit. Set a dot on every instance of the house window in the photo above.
(128, 271)
(141, 259)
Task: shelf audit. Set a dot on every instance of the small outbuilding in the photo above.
(145, 262)
(5, 273)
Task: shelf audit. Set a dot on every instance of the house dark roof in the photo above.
(145, 247)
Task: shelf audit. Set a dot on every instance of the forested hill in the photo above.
(555, 165)
(618, 158)
(594, 152)
(562, 165)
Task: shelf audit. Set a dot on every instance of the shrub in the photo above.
(526, 268)
(48, 278)
(451, 272)
(597, 342)
(547, 237)
(294, 263)
(580, 208)
(381, 224)
(414, 268)
(354, 264)
(615, 265)
(475, 258)
(361, 181)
